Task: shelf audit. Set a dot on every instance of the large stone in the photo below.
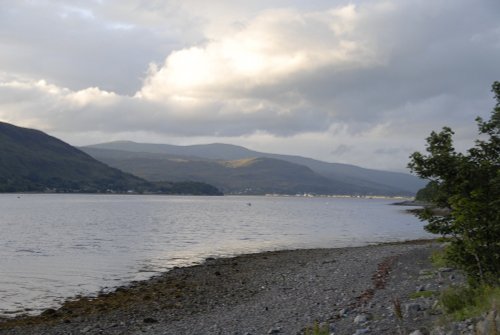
(361, 318)
(86, 330)
(274, 330)
(150, 320)
(412, 308)
(438, 331)
(343, 312)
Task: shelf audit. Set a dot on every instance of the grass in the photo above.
(464, 302)
(422, 294)
(316, 329)
(438, 258)
(396, 306)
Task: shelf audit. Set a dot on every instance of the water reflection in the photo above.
(58, 246)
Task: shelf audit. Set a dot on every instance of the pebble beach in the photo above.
(371, 289)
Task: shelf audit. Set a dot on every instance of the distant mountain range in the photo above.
(238, 170)
(32, 161)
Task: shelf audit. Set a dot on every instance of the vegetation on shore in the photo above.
(464, 302)
(468, 186)
(465, 188)
(318, 329)
(425, 194)
(461, 302)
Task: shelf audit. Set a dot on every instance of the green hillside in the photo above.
(358, 180)
(243, 176)
(32, 161)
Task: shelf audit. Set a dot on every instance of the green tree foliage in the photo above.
(425, 194)
(468, 187)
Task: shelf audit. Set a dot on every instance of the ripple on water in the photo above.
(55, 247)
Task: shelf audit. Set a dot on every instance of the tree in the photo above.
(467, 186)
(425, 194)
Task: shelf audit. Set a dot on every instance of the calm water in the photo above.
(57, 246)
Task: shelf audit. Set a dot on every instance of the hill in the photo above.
(245, 176)
(198, 160)
(31, 160)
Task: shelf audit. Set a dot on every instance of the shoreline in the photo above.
(281, 291)
(12, 315)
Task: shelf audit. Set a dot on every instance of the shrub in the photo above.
(463, 302)
(467, 187)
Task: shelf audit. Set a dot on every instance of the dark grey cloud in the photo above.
(72, 45)
(341, 149)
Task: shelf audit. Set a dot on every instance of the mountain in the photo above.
(31, 160)
(337, 178)
(245, 176)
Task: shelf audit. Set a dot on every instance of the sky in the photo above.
(362, 82)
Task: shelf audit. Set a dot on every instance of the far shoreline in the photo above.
(406, 199)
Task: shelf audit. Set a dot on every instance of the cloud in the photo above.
(348, 63)
(264, 59)
(341, 149)
(221, 88)
(85, 43)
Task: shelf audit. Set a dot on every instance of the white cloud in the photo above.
(275, 46)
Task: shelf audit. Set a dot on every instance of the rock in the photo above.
(435, 304)
(487, 324)
(438, 331)
(416, 332)
(343, 312)
(361, 318)
(445, 269)
(274, 330)
(425, 272)
(412, 308)
(362, 331)
(85, 330)
(332, 328)
(150, 320)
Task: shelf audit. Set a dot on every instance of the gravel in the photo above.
(347, 290)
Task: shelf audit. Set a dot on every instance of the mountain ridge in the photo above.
(362, 180)
(252, 176)
(33, 161)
